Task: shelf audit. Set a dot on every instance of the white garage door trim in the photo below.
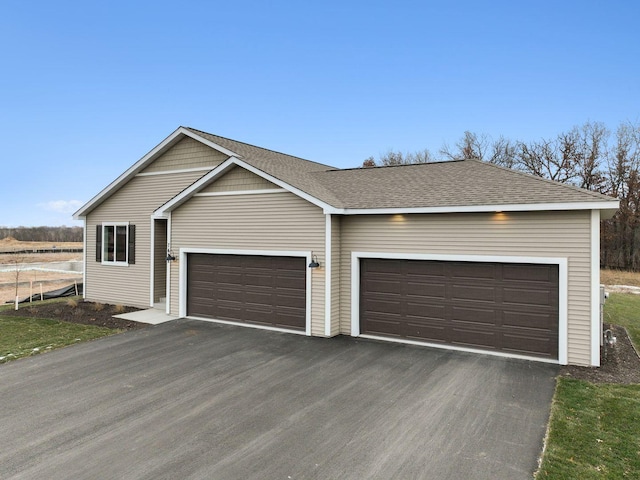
(562, 301)
(182, 299)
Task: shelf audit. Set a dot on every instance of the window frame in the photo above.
(105, 244)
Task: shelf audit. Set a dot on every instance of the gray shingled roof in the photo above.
(438, 184)
(452, 183)
(292, 170)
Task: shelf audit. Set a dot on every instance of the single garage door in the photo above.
(260, 290)
(507, 307)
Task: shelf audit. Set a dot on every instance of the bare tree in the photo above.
(470, 147)
(586, 147)
(392, 158)
(620, 235)
(544, 159)
(503, 152)
(17, 262)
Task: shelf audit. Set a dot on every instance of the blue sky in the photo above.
(87, 88)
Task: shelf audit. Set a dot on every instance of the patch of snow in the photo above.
(622, 289)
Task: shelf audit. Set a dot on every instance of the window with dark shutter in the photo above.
(132, 244)
(98, 243)
(116, 243)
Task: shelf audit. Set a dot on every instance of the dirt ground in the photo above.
(619, 277)
(78, 311)
(49, 280)
(26, 258)
(619, 364)
(10, 243)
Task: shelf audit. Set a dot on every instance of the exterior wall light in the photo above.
(314, 262)
(170, 256)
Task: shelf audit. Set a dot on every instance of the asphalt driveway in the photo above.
(197, 400)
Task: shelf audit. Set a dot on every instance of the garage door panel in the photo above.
(494, 306)
(416, 267)
(529, 345)
(287, 318)
(288, 282)
(484, 316)
(380, 306)
(248, 289)
(428, 309)
(255, 280)
(533, 273)
(471, 292)
(474, 338)
(384, 327)
(386, 286)
(524, 296)
(540, 321)
(433, 332)
(477, 271)
(420, 290)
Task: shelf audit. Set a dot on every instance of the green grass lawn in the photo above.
(624, 309)
(22, 337)
(595, 429)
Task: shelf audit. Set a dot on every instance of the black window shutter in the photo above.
(98, 243)
(132, 244)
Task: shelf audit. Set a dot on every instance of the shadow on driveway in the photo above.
(198, 400)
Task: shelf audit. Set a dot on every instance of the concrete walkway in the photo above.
(151, 316)
(198, 400)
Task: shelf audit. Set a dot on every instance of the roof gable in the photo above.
(233, 163)
(238, 179)
(187, 153)
(164, 146)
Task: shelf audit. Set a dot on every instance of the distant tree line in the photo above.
(588, 156)
(43, 234)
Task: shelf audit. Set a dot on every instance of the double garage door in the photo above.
(511, 308)
(505, 307)
(258, 290)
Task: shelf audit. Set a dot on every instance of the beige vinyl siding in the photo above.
(160, 260)
(531, 234)
(187, 153)
(239, 179)
(280, 221)
(335, 275)
(133, 203)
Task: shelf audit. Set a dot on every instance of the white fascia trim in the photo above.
(595, 288)
(240, 192)
(525, 207)
(182, 292)
(144, 161)
(183, 196)
(171, 172)
(562, 287)
(327, 273)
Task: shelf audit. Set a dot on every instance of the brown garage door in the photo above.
(260, 290)
(497, 306)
